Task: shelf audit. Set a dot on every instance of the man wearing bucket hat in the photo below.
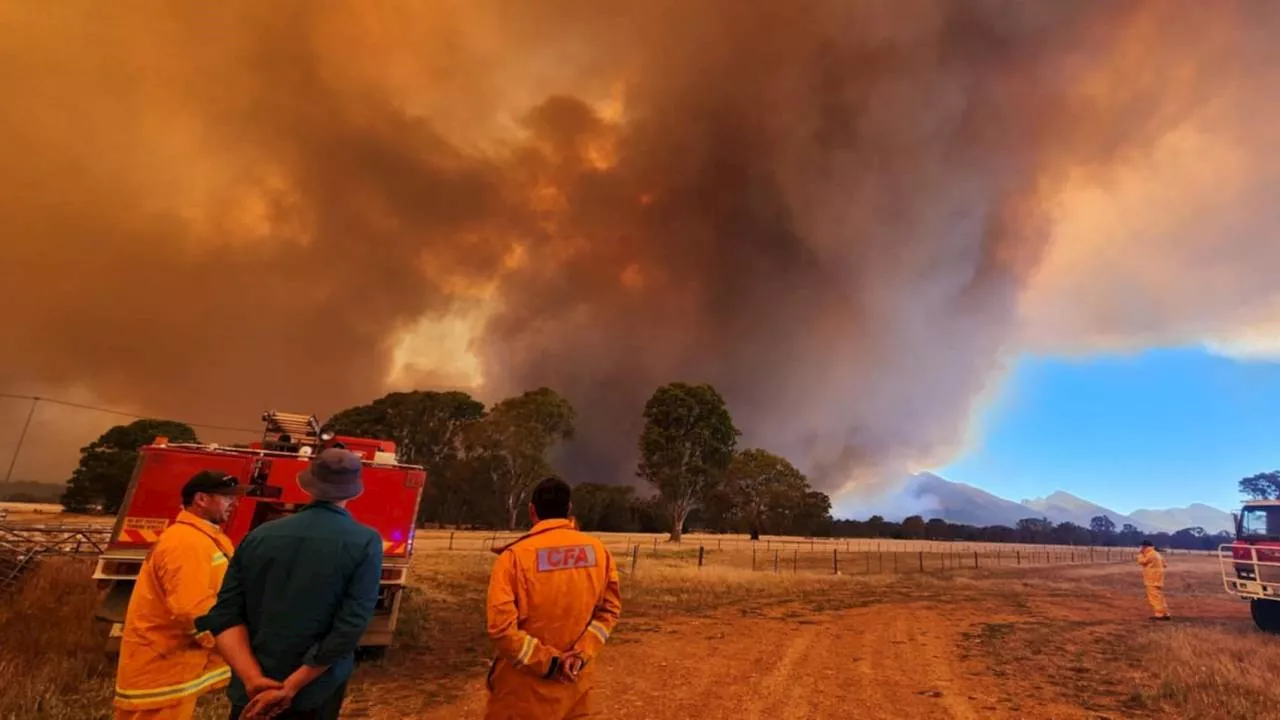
(297, 598)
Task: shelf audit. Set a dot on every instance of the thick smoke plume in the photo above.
(842, 214)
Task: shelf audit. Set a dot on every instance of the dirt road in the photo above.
(1065, 644)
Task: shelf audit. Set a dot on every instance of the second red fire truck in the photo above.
(1251, 564)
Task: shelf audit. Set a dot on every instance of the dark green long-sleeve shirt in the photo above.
(305, 587)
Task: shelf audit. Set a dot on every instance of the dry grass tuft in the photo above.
(1214, 673)
(663, 589)
(52, 658)
(51, 655)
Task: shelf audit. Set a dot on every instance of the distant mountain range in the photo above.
(933, 496)
(1210, 518)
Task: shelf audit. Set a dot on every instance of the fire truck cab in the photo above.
(389, 504)
(1251, 564)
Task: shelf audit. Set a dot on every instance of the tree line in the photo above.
(1102, 532)
(606, 508)
(482, 463)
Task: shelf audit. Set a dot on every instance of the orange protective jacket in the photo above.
(1152, 564)
(552, 591)
(163, 660)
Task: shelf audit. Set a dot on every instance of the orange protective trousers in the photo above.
(182, 711)
(1155, 596)
(518, 696)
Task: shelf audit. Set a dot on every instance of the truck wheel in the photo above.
(1266, 615)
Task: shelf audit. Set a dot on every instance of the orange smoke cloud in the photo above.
(842, 214)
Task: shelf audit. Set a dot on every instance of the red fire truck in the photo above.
(269, 468)
(1251, 564)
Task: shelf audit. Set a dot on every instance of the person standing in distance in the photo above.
(553, 601)
(1152, 564)
(297, 599)
(165, 663)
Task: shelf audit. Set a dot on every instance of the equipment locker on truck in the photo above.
(270, 468)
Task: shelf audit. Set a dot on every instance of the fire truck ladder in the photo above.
(300, 429)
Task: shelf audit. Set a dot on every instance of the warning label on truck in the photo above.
(141, 523)
(142, 530)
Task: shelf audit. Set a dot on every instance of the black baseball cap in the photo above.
(211, 482)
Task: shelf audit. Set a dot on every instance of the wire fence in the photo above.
(861, 556)
(53, 539)
(12, 567)
(23, 546)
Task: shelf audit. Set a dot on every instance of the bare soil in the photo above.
(1063, 642)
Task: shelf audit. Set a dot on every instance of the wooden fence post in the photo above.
(835, 562)
(753, 558)
(775, 562)
(795, 562)
(975, 559)
(700, 550)
(635, 556)
(921, 561)
(450, 541)
(1019, 553)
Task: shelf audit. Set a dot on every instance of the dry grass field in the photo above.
(39, 513)
(1002, 641)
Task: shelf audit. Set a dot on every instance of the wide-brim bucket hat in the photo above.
(333, 476)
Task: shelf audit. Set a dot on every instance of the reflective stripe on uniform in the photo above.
(599, 631)
(525, 651)
(173, 692)
(219, 558)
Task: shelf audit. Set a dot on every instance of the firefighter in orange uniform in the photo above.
(1153, 579)
(165, 666)
(553, 601)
